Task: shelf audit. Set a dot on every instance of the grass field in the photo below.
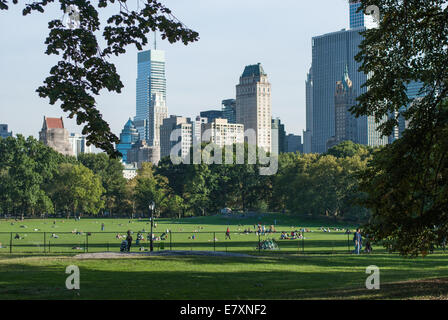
(288, 273)
(275, 277)
(204, 230)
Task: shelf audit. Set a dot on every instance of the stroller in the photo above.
(124, 246)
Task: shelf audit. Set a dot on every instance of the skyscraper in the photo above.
(356, 18)
(229, 110)
(129, 135)
(150, 80)
(157, 113)
(4, 131)
(346, 127)
(331, 54)
(308, 133)
(253, 104)
(211, 115)
(294, 143)
(279, 145)
(413, 92)
(79, 144)
(359, 18)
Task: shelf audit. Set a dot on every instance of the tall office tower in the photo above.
(184, 135)
(211, 115)
(54, 135)
(197, 128)
(356, 18)
(222, 133)
(150, 80)
(331, 53)
(4, 131)
(280, 144)
(308, 133)
(253, 104)
(79, 144)
(157, 113)
(294, 143)
(229, 110)
(129, 135)
(346, 125)
(413, 92)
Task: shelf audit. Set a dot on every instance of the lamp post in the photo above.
(151, 208)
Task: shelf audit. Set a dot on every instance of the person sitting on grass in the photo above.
(17, 236)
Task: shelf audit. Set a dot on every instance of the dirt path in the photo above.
(121, 255)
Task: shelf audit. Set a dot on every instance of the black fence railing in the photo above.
(80, 242)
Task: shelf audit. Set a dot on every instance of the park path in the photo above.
(121, 255)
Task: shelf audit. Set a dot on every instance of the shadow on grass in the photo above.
(162, 278)
(429, 289)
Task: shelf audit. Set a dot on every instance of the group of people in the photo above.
(127, 239)
(327, 229)
(293, 236)
(261, 229)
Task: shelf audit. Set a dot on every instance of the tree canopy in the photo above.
(406, 182)
(84, 69)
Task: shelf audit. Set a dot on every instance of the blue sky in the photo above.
(233, 34)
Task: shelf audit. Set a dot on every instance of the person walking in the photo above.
(228, 233)
(129, 241)
(357, 238)
(102, 227)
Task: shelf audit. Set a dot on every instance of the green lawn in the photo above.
(204, 229)
(298, 270)
(274, 277)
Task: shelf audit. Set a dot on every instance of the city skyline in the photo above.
(288, 96)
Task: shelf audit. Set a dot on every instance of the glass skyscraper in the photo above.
(211, 115)
(151, 79)
(128, 137)
(413, 92)
(332, 53)
(229, 110)
(356, 18)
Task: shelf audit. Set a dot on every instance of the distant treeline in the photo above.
(36, 180)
